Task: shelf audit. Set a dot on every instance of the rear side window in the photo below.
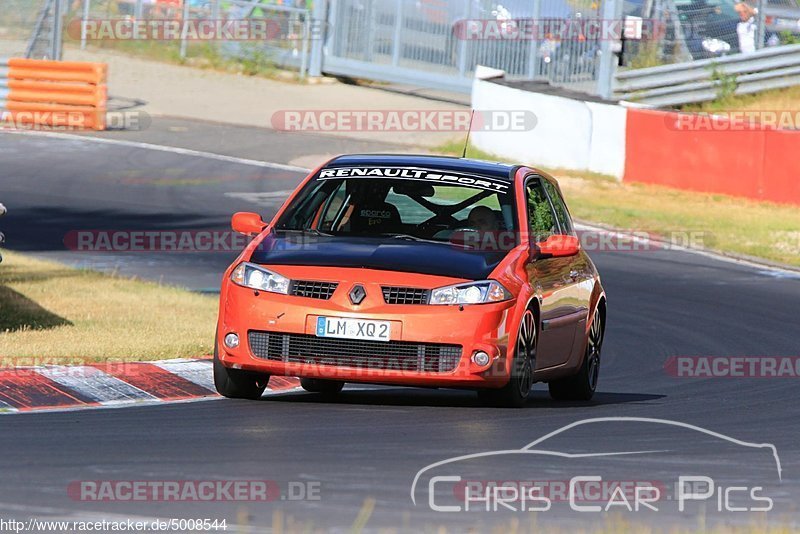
(541, 219)
(559, 207)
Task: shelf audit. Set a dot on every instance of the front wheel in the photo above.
(515, 393)
(238, 383)
(581, 387)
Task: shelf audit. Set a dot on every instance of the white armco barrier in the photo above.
(569, 134)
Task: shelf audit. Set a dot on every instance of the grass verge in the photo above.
(776, 100)
(721, 223)
(55, 313)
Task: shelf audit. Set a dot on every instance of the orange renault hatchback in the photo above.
(414, 270)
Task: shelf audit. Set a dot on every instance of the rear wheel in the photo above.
(238, 383)
(325, 387)
(515, 393)
(581, 387)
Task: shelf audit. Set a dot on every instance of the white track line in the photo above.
(7, 408)
(160, 148)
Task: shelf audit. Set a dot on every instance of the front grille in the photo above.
(394, 355)
(405, 295)
(313, 290)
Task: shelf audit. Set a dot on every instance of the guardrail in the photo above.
(704, 80)
(59, 94)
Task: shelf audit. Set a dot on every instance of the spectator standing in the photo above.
(746, 29)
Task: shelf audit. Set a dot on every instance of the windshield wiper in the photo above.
(409, 237)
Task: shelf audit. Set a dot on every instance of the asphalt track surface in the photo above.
(371, 442)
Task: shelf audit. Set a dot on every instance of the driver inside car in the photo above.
(483, 219)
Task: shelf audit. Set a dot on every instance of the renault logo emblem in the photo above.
(357, 294)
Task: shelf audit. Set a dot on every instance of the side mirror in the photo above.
(247, 223)
(558, 246)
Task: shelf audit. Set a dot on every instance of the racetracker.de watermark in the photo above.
(49, 120)
(69, 367)
(210, 241)
(249, 29)
(733, 366)
(734, 121)
(155, 241)
(558, 29)
(59, 121)
(193, 490)
(339, 120)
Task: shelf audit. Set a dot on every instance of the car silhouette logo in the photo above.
(357, 294)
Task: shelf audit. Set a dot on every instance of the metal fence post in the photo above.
(611, 10)
(318, 19)
(306, 37)
(397, 47)
(184, 28)
(86, 6)
(463, 44)
(138, 10)
(58, 33)
(760, 25)
(533, 54)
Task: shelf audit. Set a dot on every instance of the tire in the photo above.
(582, 386)
(237, 383)
(515, 393)
(325, 387)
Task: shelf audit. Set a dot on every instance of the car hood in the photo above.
(387, 254)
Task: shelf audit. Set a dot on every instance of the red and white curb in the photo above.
(64, 387)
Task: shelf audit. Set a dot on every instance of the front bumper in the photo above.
(277, 334)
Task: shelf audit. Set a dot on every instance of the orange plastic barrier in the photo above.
(65, 93)
(664, 148)
(57, 93)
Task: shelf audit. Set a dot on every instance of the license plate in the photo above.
(345, 328)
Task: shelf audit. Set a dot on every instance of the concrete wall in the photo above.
(569, 134)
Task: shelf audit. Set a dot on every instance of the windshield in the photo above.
(415, 206)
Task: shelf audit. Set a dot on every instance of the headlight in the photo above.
(471, 293)
(255, 277)
(716, 46)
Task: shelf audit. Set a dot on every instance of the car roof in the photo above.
(501, 171)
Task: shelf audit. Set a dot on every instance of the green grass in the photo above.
(55, 313)
(721, 223)
(776, 100)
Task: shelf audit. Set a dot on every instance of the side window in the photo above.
(541, 220)
(332, 207)
(560, 207)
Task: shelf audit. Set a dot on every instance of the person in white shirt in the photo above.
(746, 29)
